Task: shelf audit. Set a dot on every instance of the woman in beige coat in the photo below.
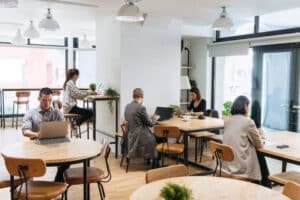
(242, 135)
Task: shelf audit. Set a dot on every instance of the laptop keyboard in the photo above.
(52, 140)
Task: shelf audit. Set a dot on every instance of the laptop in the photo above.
(53, 132)
(165, 113)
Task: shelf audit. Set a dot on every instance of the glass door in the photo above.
(276, 87)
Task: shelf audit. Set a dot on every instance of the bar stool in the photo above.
(70, 117)
(22, 99)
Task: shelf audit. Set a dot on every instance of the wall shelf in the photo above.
(185, 67)
(184, 103)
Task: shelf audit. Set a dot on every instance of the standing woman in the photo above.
(71, 94)
(198, 104)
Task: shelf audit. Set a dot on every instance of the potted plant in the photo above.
(92, 87)
(111, 93)
(175, 192)
(174, 109)
(226, 109)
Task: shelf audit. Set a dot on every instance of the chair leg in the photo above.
(79, 131)
(162, 159)
(128, 161)
(196, 149)
(122, 159)
(66, 192)
(103, 191)
(13, 116)
(100, 191)
(201, 149)
(17, 117)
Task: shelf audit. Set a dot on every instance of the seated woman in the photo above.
(141, 141)
(242, 135)
(70, 95)
(197, 105)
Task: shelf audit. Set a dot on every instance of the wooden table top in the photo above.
(281, 138)
(75, 150)
(210, 188)
(194, 124)
(100, 97)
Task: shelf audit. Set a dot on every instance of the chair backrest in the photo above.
(56, 93)
(292, 190)
(124, 127)
(166, 131)
(166, 172)
(25, 168)
(57, 104)
(21, 94)
(222, 152)
(105, 152)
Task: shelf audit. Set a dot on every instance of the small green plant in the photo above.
(176, 192)
(227, 109)
(174, 108)
(92, 86)
(111, 93)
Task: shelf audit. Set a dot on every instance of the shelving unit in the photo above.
(185, 71)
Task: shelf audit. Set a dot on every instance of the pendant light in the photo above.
(129, 12)
(223, 22)
(48, 23)
(85, 43)
(31, 32)
(19, 39)
(8, 3)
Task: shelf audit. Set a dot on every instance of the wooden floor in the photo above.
(122, 184)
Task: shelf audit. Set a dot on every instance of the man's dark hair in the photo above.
(239, 105)
(46, 91)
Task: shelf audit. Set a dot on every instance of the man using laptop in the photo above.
(43, 113)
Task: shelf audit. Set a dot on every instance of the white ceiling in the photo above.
(76, 20)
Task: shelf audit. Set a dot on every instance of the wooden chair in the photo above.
(200, 137)
(124, 128)
(292, 190)
(285, 177)
(166, 172)
(28, 189)
(74, 176)
(22, 99)
(223, 152)
(56, 94)
(165, 133)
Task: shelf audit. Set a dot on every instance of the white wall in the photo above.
(130, 56)
(150, 59)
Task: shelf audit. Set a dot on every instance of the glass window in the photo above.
(86, 63)
(233, 78)
(30, 68)
(240, 27)
(280, 20)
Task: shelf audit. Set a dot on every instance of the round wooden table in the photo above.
(210, 188)
(75, 151)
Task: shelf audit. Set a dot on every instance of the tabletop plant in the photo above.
(92, 87)
(227, 109)
(173, 191)
(113, 94)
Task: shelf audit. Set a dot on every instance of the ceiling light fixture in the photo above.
(85, 43)
(19, 39)
(8, 3)
(48, 23)
(223, 22)
(31, 32)
(129, 12)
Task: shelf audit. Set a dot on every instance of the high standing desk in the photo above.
(2, 102)
(94, 99)
(75, 151)
(190, 126)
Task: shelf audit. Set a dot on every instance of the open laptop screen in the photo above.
(164, 113)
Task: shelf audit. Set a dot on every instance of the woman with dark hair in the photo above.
(71, 94)
(242, 135)
(198, 104)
